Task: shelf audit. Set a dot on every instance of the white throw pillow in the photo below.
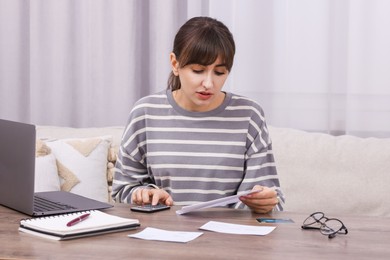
(46, 174)
(86, 159)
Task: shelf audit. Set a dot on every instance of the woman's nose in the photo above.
(208, 81)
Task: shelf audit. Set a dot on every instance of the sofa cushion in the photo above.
(334, 174)
(46, 172)
(85, 158)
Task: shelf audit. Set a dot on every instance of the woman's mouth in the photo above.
(204, 95)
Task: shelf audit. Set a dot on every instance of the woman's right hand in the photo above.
(152, 196)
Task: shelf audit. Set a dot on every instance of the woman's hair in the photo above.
(201, 40)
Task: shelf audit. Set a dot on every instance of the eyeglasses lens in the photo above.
(331, 226)
(315, 218)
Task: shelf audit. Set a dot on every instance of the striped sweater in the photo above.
(195, 156)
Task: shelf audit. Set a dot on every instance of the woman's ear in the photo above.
(174, 64)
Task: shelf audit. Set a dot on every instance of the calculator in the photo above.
(148, 208)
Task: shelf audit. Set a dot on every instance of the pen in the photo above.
(77, 220)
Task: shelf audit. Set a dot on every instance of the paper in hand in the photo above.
(215, 203)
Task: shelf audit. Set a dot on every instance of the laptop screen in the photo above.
(17, 165)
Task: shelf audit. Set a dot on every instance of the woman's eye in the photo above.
(197, 71)
(219, 73)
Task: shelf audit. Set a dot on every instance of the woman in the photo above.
(194, 142)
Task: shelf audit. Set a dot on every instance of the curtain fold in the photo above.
(317, 65)
(14, 60)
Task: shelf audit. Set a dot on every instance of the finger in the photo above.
(155, 198)
(261, 208)
(266, 193)
(261, 192)
(137, 196)
(257, 203)
(164, 198)
(146, 193)
(258, 187)
(133, 198)
(169, 201)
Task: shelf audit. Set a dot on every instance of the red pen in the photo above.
(77, 220)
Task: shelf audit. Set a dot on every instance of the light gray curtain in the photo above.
(317, 65)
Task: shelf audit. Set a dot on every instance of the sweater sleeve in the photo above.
(260, 167)
(130, 168)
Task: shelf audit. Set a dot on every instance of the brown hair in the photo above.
(200, 41)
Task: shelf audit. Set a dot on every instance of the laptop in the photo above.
(17, 174)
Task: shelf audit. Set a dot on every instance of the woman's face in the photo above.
(200, 85)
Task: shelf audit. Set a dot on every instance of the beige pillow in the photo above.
(82, 165)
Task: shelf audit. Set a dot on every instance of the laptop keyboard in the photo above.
(42, 205)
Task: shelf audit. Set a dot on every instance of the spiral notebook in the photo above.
(55, 227)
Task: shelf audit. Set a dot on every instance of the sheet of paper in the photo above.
(214, 203)
(228, 228)
(164, 235)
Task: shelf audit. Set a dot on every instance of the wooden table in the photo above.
(368, 238)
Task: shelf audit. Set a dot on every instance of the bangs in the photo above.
(205, 50)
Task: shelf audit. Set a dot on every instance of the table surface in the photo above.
(368, 238)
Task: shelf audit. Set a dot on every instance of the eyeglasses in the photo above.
(327, 226)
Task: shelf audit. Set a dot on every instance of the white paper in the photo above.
(228, 228)
(164, 235)
(214, 203)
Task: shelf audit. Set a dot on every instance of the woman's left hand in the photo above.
(263, 201)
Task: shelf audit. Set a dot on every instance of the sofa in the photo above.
(318, 172)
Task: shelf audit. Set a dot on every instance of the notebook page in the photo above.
(58, 224)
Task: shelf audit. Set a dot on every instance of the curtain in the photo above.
(315, 65)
